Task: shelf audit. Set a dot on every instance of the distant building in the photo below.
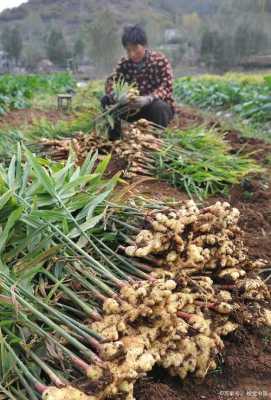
(256, 61)
(45, 66)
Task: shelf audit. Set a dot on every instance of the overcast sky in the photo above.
(10, 3)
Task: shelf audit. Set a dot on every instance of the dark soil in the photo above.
(19, 118)
(186, 117)
(115, 166)
(152, 188)
(148, 389)
(257, 148)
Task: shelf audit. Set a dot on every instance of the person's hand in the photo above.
(114, 99)
(140, 102)
(110, 99)
(123, 99)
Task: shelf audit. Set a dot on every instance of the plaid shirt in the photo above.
(153, 75)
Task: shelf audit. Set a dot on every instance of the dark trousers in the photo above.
(158, 112)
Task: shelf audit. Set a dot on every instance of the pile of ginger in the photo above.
(135, 148)
(203, 285)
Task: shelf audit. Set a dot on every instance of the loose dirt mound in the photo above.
(253, 357)
(255, 217)
(154, 189)
(147, 389)
(259, 148)
(187, 117)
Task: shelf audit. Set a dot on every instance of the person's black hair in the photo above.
(134, 34)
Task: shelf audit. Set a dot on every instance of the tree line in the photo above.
(221, 39)
(56, 48)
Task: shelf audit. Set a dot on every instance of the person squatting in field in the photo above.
(152, 74)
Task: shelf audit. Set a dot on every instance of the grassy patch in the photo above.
(200, 162)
